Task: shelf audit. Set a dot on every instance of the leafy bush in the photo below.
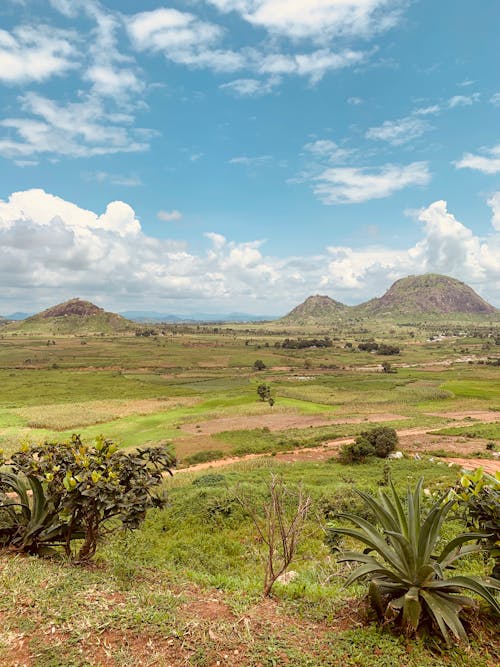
(478, 496)
(407, 582)
(384, 440)
(259, 365)
(387, 349)
(357, 452)
(78, 491)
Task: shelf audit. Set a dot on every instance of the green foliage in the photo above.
(259, 365)
(211, 479)
(77, 491)
(383, 440)
(264, 391)
(356, 452)
(204, 456)
(478, 496)
(405, 561)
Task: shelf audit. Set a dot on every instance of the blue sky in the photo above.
(240, 155)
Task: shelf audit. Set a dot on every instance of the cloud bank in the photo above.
(51, 250)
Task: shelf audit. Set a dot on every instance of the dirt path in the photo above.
(328, 449)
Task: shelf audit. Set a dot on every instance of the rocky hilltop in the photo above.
(75, 316)
(428, 294)
(316, 308)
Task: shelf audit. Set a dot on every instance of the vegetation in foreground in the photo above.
(186, 587)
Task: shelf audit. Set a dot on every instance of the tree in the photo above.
(387, 367)
(264, 392)
(259, 365)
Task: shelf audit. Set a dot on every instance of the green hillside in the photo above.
(75, 316)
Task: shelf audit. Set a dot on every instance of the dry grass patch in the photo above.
(63, 416)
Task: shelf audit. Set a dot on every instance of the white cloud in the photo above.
(447, 247)
(251, 161)
(169, 216)
(354, 101)
(488, 163)
(31, 53)
(313, 65)
(350, 185)
(399, 132)
(182, 38)
(495, 99)
(463, 100)
(317, 19)
(329, 150)
(251, 87)
(126, 180)
(51, 250)
(77, 129)
(494, 204)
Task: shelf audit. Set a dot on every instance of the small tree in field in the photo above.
(264, 391)
(259, 365)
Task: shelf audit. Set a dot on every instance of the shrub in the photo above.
(388, 349)
(356, 452)
(478, 496)
(204, 456)
(78, 491)
(405, 571)
(384, 440)
(210, 479)
(259, 365)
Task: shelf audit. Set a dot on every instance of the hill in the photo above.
(428, 294)
(75, 316)
(316, 309)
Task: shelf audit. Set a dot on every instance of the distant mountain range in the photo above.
(430, 295)
(145, 316)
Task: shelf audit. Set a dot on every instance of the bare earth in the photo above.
(278, 422)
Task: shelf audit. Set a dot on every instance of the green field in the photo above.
(186, 587)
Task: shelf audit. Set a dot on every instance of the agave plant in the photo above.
(28, 520)
(406, 569)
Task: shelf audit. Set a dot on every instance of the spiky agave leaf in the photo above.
(410, 582)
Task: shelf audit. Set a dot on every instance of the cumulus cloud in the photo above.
(351, 185)
(51, 250)
(488, 163)
(36, 53)
(317, 19)
(59, 249)
(447, 246)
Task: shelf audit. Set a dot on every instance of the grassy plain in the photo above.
(185, 588)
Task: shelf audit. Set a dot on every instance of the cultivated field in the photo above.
(185, 588)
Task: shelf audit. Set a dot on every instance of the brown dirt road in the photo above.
(328, 449)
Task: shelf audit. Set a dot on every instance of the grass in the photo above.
(185, 588)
